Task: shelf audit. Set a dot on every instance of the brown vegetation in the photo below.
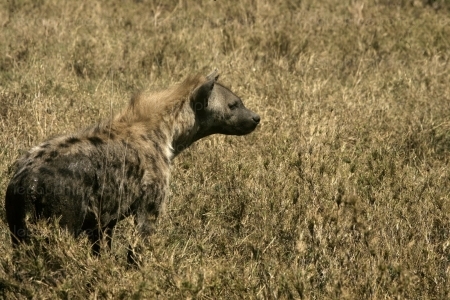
(342, 192)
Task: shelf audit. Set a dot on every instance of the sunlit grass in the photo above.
(342, 192)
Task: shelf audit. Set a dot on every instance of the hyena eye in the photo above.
(233, 105)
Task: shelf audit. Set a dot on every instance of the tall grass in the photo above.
(342, 192)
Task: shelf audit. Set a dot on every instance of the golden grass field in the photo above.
(343, 192)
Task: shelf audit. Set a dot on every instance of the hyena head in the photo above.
(219, 110)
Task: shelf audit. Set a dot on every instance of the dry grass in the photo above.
(342, 193)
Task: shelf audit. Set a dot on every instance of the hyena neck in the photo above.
(174, 130)
(184, 129)
(168, 117)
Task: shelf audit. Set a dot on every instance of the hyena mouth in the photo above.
(249, 126)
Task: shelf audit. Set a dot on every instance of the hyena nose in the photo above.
(256, 118)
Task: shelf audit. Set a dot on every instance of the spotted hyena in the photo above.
(121, 167)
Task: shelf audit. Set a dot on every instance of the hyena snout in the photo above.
(246, 122)
(256, 118)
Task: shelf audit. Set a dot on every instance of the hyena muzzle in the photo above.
(91, 180)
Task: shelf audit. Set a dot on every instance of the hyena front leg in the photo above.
(145, 220)
(96, 236)
(145, 224)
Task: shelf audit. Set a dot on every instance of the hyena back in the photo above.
(93, 179)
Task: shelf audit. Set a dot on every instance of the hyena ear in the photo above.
(213, 75)
(202, 93)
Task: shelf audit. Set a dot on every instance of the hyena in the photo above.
(121, 167)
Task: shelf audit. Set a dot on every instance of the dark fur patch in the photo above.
(73, 140)
(159, 135)
(141, 173)
(63, 145)
(46, 171)
(53, 154)
(40, 154)
(89, 181)
(118, 165)
(131, 170)
(152, 208)
(96, 141)
(65, 172)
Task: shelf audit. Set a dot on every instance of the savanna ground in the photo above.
(342, 192)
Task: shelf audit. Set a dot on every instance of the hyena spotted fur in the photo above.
(121, 167)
